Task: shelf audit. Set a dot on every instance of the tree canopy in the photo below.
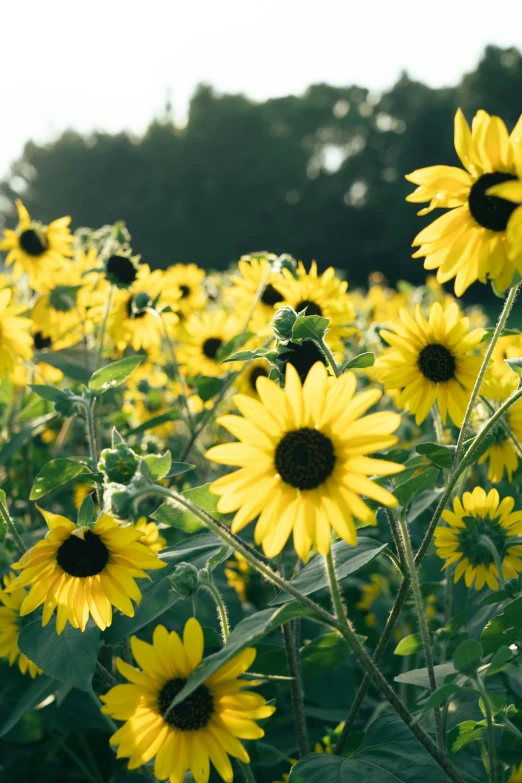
(319, 175)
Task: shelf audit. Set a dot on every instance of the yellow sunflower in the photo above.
(512, 191)
(253, 270)
(37, 250)
(206, 727)
(323, 295)
(72, 302)
(431, 361)
(188, 278)
(81, 572)
(470, 243)
(15, 333)
(10, 629)
(150, 535)
(303, 461)
(516, 774)
(203, 336)
(131, 323)
(474, 520)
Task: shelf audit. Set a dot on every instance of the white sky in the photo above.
(110, 64)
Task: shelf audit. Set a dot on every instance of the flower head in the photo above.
(302, 460)
(80, 572)
(15, 333)
(10, 628)
(471, 241)
(37, 250)
(206, 727)
(431, 361)
(478, 525)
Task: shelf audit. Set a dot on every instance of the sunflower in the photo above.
(72, 302)
(477, 523)
(431, 361)
(131, 321)
(258, 368)
(150, 535)
(82, 572)
(512, 191)
(188, 278)
(303, 461)
(324, 295)
(253, 270)
(206, 727)
(37, 250)
(470, 242)
(204, 334)
(15, 333)
(516, 774)
(10, 628)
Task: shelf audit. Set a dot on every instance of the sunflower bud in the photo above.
(119, 499)
(283, 323)
(66, 404)
(184, 580)
(118, 464)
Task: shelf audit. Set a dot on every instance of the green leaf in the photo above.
(440, 455)
(224, 553)
(73, 362)
(420, 676)
(515, 365)
(464, 733)
(172, 514)
(49, 393)
(323, 654)
(488, 333)
(233, 344)
(500, 660)
(422, 482)
(113, 374)
(156, 466)
(37, 692)
(245, 634)
(69, 658)
(362, 360)
(157, 595)
(177, 468)
(23, 436)
(156, 421)
(208, 386)
(311, 327)
(55, 474)
(422, 503)
(497, 704)
(389, 753)
(439, 696)
(467, 656)
(86, 512)
(409, 645)
(348, 559)
(248, 356)
(504, 629)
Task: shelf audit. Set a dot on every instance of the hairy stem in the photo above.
(492, 764)
(4, 512)
(91, 438)
(296, 691)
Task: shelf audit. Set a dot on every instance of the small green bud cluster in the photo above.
(119, 464)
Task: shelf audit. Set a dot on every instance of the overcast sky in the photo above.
(108, 64)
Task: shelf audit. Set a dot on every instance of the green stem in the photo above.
(329, 356)
(438, 425)
(423, 627)
(492, 765)
(105, 675)
(220, 606)
(397, 537)
(379, 652)
(103, 329)
(4, 512)
(91, 438)
(296, 691)
(508, 304)
(247, 772)
(337, 600)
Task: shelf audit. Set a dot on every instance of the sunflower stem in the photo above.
(423, 626)
(105, 675)
(379, 652)
(91, 439)
(103, 329)
(397, 537)
(337, 600)
(508, 304)
(247, 772)
(331, 361)
(296, 691)
(4, 512)
(492, 765)
(209, 585)
(437, 424)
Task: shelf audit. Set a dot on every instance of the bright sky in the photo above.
(110, 64)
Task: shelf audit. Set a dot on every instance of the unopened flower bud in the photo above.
(185, 580)
(283, 323)
(119, 464)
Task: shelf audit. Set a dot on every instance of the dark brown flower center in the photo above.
(41, 342)
(33, 242)
(121, 271)
(302, 357)
(192, 713)
(255, 373)
(490, 211)
(305, 458)
(436, 363)
(271, 296)
(83, 557)
(185, 291)
(312, 308)
(211, 346)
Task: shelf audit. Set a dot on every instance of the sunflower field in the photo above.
(255, 524)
